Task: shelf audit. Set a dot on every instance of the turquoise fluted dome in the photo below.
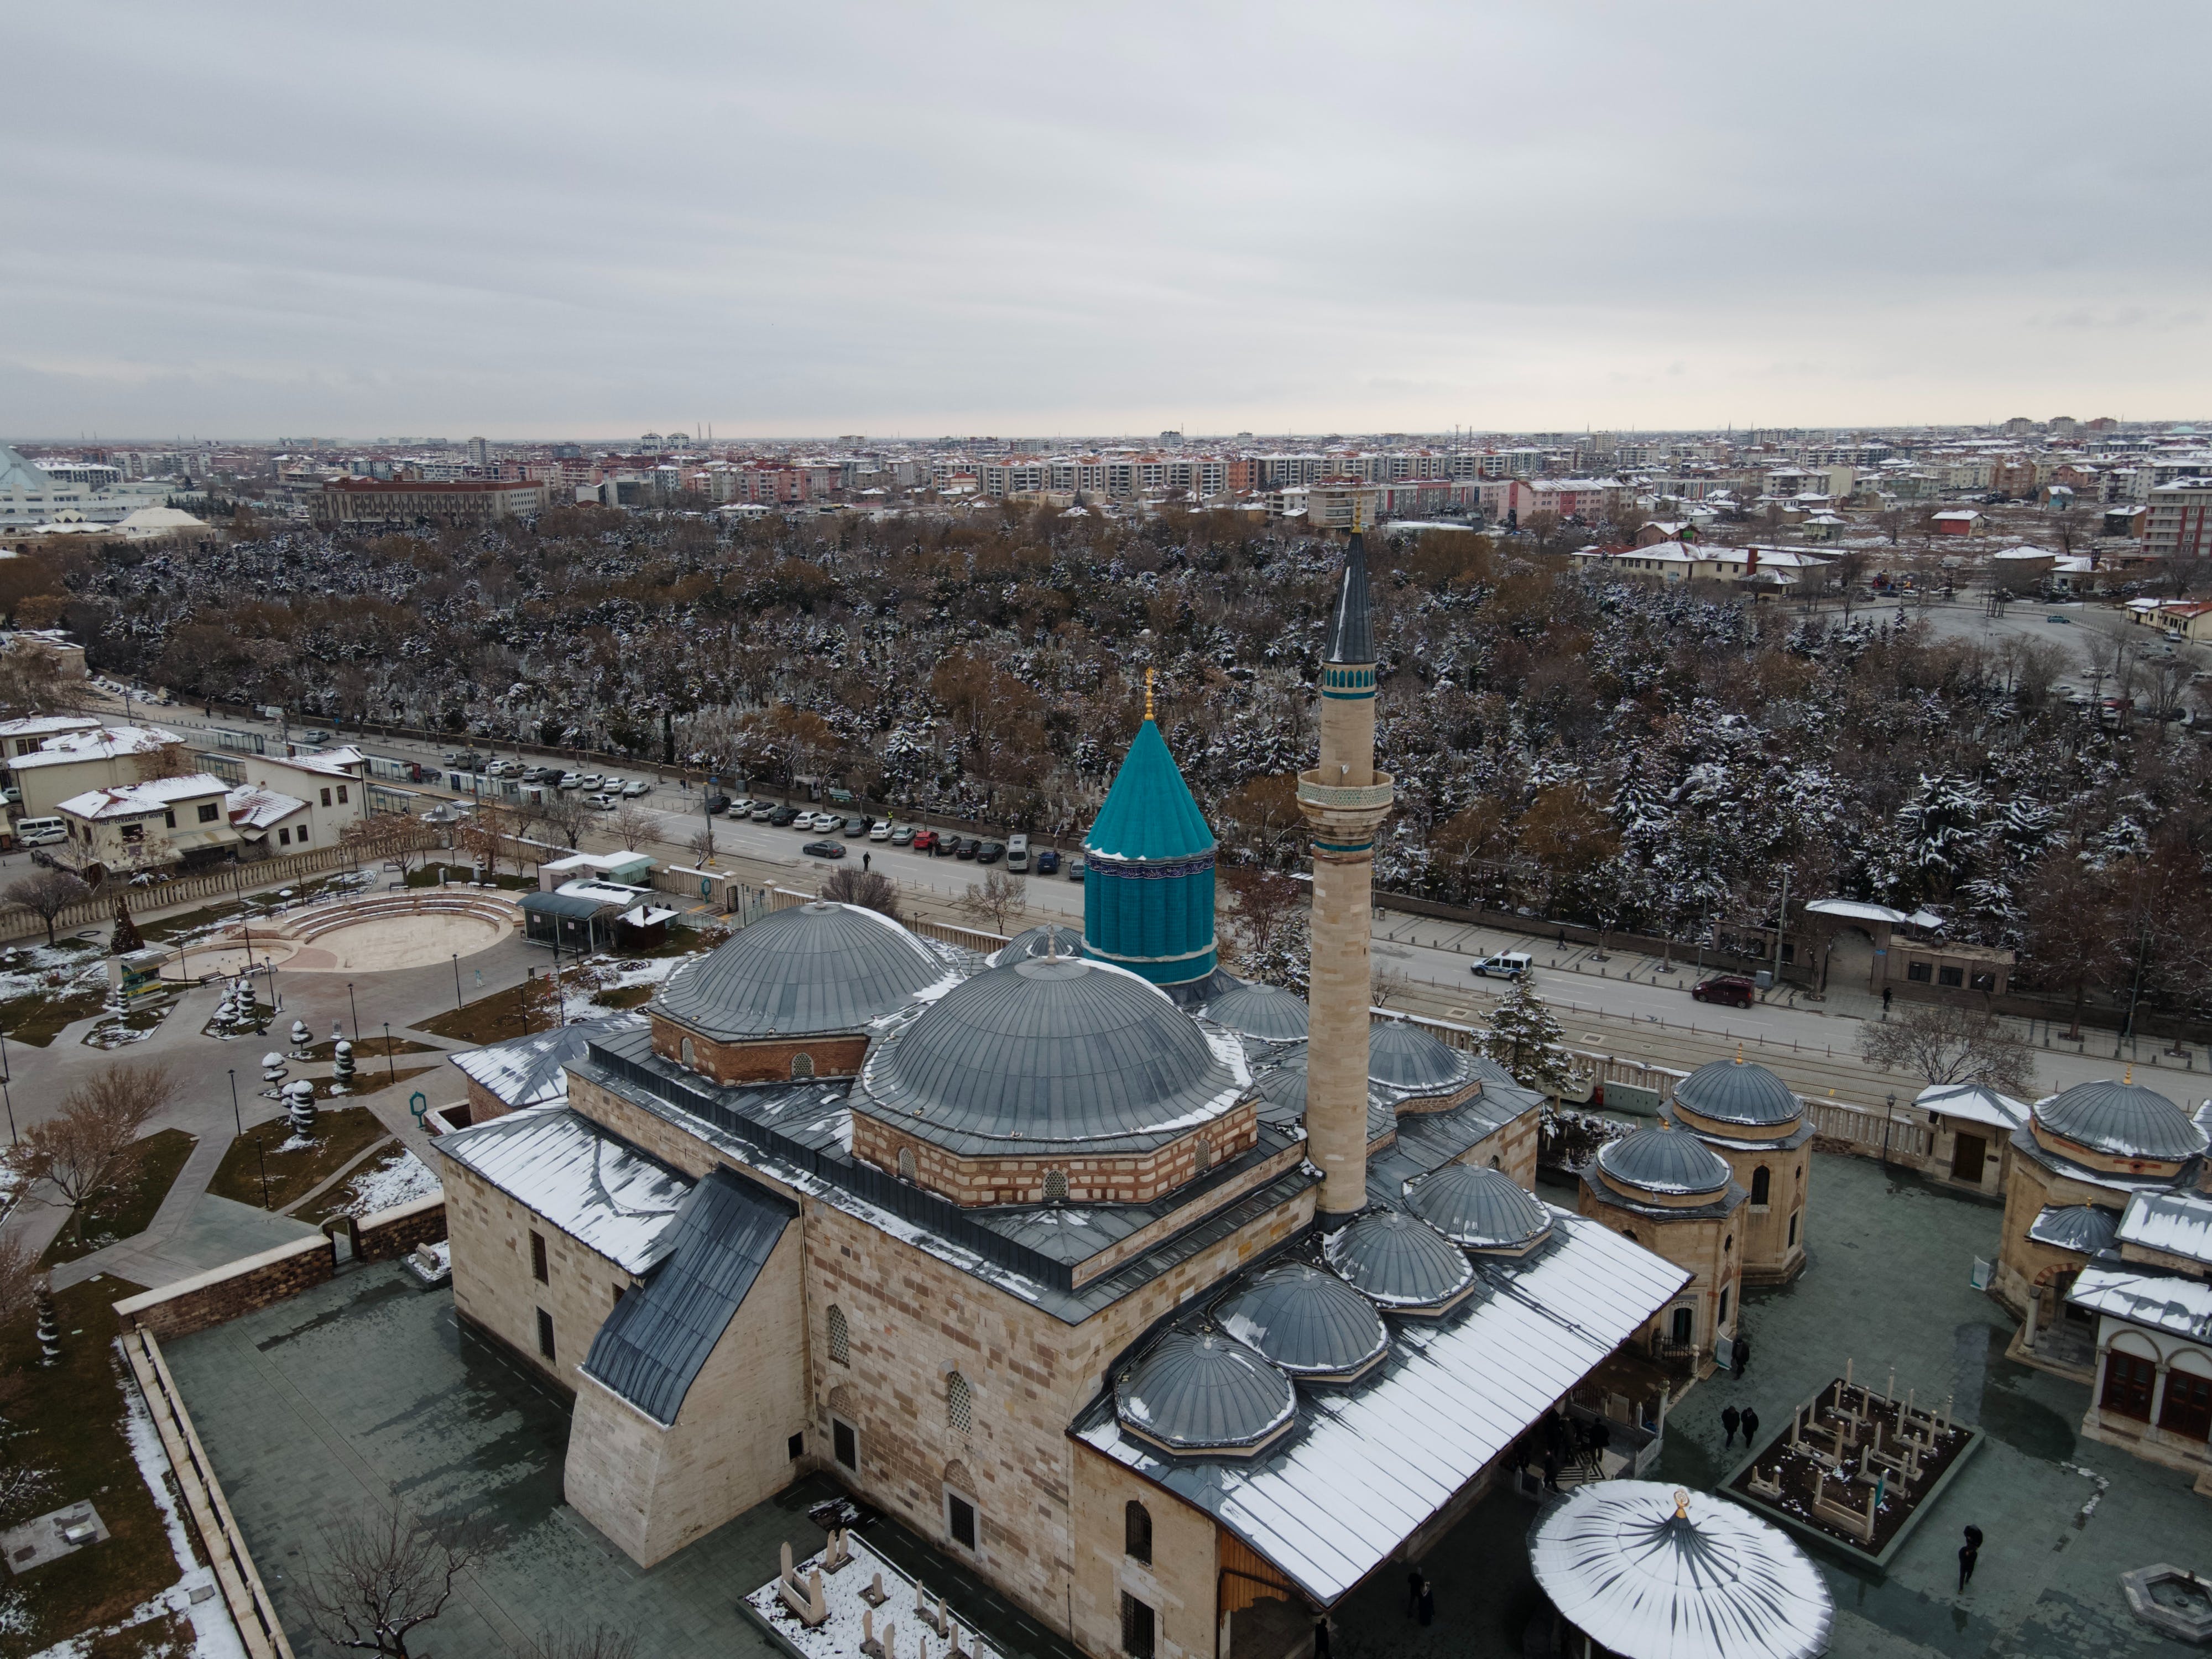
(1148, 888)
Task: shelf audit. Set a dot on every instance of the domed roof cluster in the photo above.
(1731, 1091)
(1309, 1323)
(1265, 1012)
(1205, 1391)
(810, 970)
(1479, 1209)
(1667, 1161)
(1049, 1050)
(2121, 1120)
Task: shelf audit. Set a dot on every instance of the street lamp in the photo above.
(457, 980)
(390, 1071)
(1889, 1117)
(355, 1009)
(236, 1117)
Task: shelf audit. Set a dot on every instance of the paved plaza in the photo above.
(366, 1390)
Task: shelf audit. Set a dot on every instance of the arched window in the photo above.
(1205, 1154)
(1494, 1163)
(689, 1059)
(1629, 1233)
(841, 1336)
(906, 1164)
(1762, 1183)
(959, 1404)
(1137, 1532)
(1055, 1186)
(802, 1067)
(1793, 1228)
(1728, 1244)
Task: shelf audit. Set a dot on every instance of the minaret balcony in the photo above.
(1339, 806)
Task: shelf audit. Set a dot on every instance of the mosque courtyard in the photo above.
(366, 1389)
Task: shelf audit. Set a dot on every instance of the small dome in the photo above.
(1664, 1161)
(814, 968)
(1398, 1261)
(1731, 1091)
(1196, 1394)
(1051, 1050)
(1403, 1056)
(1266, 1012)
(1047, 939)
(2122, 1120)
(1479, 1209)
(1310, 1323)
(2086, 1228)
(1284, 1083)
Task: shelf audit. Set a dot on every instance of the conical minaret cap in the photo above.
(1351, 635)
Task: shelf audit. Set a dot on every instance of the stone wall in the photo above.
(225, 1292)
(1131, 1178)
(1706, 1247)
(1178, 1583)
(654, 1489)
(771, 1062)
(495, 1290)
(395, 1231)
(1763, 1243)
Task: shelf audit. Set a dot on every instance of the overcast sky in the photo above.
(595, 221)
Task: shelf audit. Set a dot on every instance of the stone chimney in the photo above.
(1344, 800)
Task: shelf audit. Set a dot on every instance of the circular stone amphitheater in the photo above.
(372, 935)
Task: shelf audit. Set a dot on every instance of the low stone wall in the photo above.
(225, 1292)
(395, 1231)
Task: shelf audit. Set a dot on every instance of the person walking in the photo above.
(1969, 1553)
(1428, 1604)
(1551, 1469)
(864, 859)
(1742, 1355)
(1413, 1593)
(1320, 1638)
(1729, 1420)
(1750, 1428)
(1886, 995)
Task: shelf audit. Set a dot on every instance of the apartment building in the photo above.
(159, 824)
(348, 502)
(2180, 522)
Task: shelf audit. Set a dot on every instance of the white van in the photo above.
(40, 832)
(1507, 965)
(1017, 852)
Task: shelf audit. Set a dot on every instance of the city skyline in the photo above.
(1004, 222)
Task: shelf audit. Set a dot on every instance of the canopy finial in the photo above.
(1148, 693)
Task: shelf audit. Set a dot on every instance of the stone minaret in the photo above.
(1343, 798)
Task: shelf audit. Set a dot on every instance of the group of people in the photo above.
(1560, 1442)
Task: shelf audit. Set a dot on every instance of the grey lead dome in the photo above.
(1047, 939)
(1266, 1012)
(1731, 1092)
(1198, 1394)
(1664, 1161)
(815, 967)
(1051, 1050)
(1406, 1057)
(1309, 1323)
(1479, 1209)
(2122, 1120)
(1398, 1261)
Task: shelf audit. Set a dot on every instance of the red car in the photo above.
(1731, 988)
(924, 840)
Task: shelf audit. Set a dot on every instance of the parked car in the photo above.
(636, 788)
(716, 804)
(922, 841)
(1048, 863)
(881, 832)
(2055, 617)
(1018, 852)
(601, 800)
(990, 852)
(824, 849)
(901, 836)
(966, 849)
(1506, 965)
(765, 812)
(1076, 868)
(572, 779)
(783, 815)
(947, 847)
(860, 826)
(1734, 989)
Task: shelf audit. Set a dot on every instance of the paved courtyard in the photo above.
(365, 1389)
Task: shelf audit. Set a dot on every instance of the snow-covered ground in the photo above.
(851, 1615)
(400, 1178)
(581, 988)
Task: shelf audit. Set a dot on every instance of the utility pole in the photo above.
(1782, 924)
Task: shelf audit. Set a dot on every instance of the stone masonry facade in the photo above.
(1132, 1178)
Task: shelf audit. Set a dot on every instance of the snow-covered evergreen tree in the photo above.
(1526, 1040)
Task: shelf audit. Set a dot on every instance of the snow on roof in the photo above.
(646, 915)
(106, 743)
(533, 1070)
(601, 892)
(330, 763)
(255, 808)
(131, 800)
(47, 725)
(602, 1192)
(2162, 1301)
(2178, 1222)
(2024, 553)
(1856, 911)
(1977, 1102)
(1366, 1468)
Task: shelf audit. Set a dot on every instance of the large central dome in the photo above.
(1053, 1050)
(813, 969)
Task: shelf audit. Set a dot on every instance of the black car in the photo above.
(824, 849)
(782, 815)
(1048, 863)
(947, 847)
(964, 848)
(990, 852)
(717, 803)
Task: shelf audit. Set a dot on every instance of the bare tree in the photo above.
(701, 845)
(632, 826)
(1948, 1043)
(565, 814)
(600, 1642)
(381, 1576)
(1263, 904)
(20, 1277)
(1388, 983)
(91, 1146)
(45, 894)
(388, 838)
(998, 896)
(870, 888)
